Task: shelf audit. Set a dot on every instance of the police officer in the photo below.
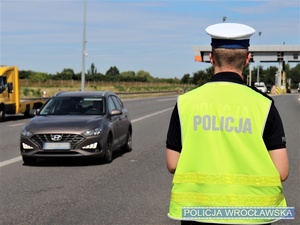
(226, 143)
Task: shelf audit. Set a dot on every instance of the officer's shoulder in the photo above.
(258, 91)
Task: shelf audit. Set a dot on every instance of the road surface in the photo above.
(133, 189)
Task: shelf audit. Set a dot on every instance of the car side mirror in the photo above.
(115, 112)
(10, 87)
(34, 112)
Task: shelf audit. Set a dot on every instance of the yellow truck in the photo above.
(10, 101)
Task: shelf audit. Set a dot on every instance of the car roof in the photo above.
(83, 94)
(259, 83)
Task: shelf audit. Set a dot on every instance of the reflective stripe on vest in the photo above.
(226, 200)
(227, 179)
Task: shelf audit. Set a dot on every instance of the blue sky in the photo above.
(154, 36)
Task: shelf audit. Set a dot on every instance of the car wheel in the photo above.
(2, 115)
(128, 146)
(108, 150)
(29, 161)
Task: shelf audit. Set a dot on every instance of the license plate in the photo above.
(57, 146)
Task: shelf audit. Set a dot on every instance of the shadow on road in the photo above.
(15, 118)
(73, 161)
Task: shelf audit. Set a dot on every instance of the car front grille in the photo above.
(73, 139)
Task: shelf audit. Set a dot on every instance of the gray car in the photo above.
(73, 124)
(261, 87)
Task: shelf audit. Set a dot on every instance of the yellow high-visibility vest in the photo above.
(224, 161)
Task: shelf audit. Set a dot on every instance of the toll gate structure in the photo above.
(261, 54)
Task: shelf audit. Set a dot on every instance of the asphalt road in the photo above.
(133, 189)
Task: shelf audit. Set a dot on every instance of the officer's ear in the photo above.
(248, 59)
(211, 58)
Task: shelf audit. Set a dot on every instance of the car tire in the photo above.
(2, 115)
(128, 145)
(29, 161)
(108, 149)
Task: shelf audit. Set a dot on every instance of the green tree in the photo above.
(127, 76)
(186, 79)
(96, 77)
(112, 71)
(199, 78)
(210, 71)
(294, 74)
(77, 76)
(24, 74)
(92, 70)
(37, 76)
(144, 76)
(269, 75)
(255, 73)
(65, 74)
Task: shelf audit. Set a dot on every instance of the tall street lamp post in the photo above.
(83, 48)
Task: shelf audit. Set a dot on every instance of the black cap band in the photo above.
(224, 43)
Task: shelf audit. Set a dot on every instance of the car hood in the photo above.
(63, 124)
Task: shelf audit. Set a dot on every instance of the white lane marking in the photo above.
(13, 160)
(17, 124)
(150, 115)
(10, 161)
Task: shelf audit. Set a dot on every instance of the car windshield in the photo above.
(74, 106)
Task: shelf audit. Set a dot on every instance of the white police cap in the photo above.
(230, 35)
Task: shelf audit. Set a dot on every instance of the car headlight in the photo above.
(26, 133)
(93, 132)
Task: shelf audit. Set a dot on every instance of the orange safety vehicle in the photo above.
(10, 101)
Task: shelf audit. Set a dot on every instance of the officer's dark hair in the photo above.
(233, 57)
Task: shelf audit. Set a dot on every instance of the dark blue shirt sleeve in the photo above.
(174, 132)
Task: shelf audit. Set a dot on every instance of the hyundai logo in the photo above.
(56, 137)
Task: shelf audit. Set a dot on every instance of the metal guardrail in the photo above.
(118, 93)
(147, 92)
(34, 98)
